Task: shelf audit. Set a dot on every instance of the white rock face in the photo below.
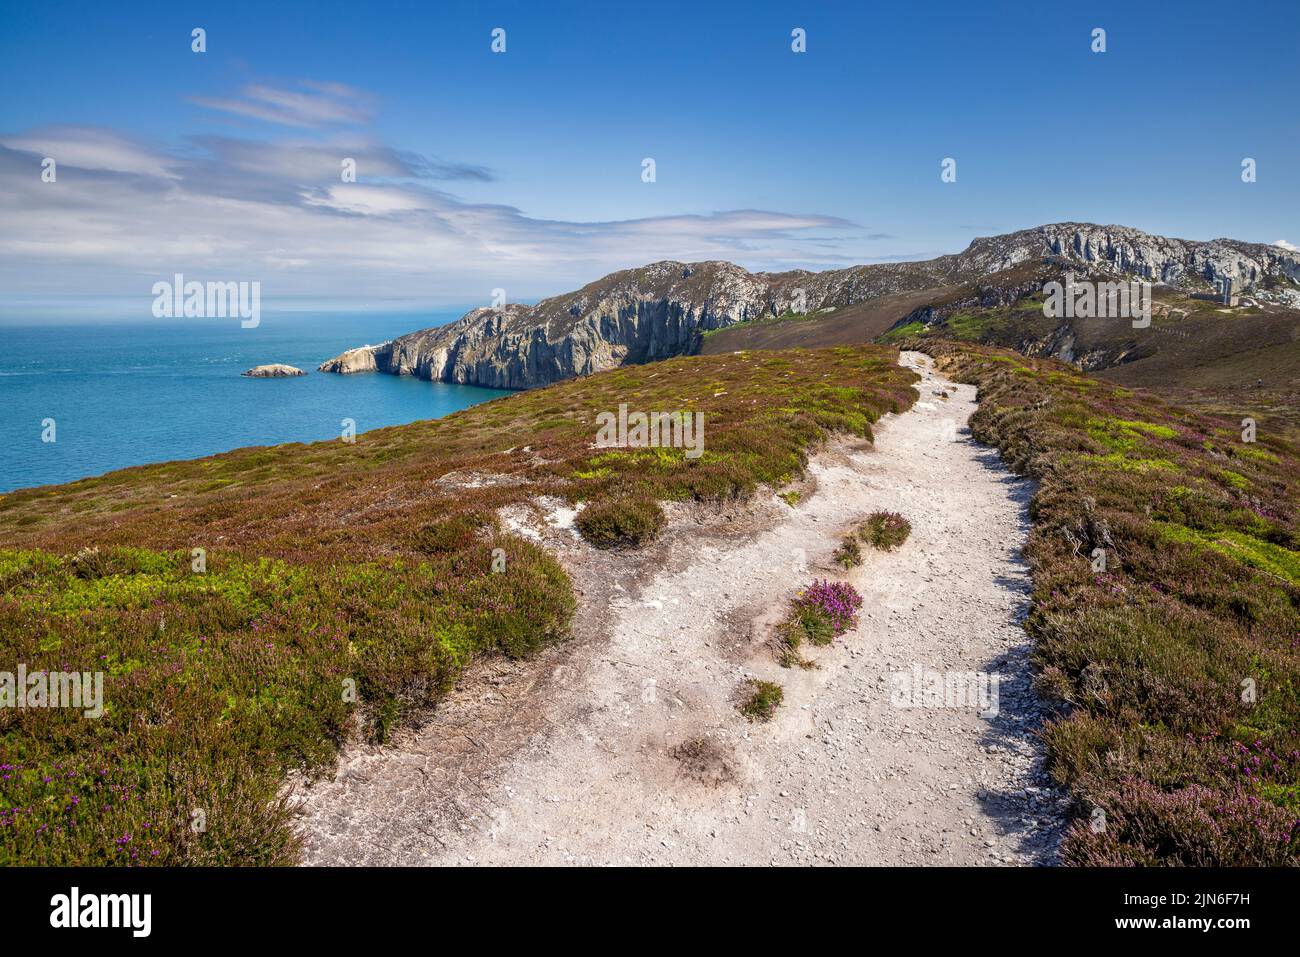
(276, 370)
(361, 359)
(660, 310)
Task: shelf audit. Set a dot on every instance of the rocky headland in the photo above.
(662, 310)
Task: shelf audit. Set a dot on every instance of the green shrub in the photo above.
(621, 522)
(761, 700)
(849, 553)
(451, 534)
(885, 530)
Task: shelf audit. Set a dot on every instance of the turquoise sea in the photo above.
(134, 392)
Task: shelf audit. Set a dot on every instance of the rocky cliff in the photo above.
(660, 310)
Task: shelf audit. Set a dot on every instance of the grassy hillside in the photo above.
(335, 567)
(1191, 343)
(845, 325)
(1177, 667)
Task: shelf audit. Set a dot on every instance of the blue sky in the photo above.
(522, 170)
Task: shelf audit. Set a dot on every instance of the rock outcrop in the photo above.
(275, 370)
(661, 310)
(361, 359)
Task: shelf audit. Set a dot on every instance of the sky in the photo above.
(523, 170)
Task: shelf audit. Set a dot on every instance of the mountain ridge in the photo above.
(662, 309)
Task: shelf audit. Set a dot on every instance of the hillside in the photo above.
(1166, 564)
(666, 308)
(626, 744)
(346, 588)
(340, 589)
(1190, 343)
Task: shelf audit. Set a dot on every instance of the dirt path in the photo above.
(624, 745)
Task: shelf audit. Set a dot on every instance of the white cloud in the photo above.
(317, 104)
(92, 148)
(123, 213)
(1288, 246)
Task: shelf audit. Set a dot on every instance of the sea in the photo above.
(115, 394)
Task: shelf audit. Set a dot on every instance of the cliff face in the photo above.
(658, 311)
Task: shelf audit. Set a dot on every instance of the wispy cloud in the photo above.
(313, 104)
(1288, 246)
(123, 212)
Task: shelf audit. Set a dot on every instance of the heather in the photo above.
(1166, 609)
(818, 614)
(344, 590)
(837, 602)
(885, 530)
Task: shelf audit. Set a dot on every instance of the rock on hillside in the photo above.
(660, 310)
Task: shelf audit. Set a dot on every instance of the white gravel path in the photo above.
(625, 746)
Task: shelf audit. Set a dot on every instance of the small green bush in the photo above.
(621, 522)
(849, 553)
(885, 530)
(763, 699)
(813, 624)
(449, 535)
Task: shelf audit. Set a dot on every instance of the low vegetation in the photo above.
(849, 552)
(340, 589)
(789, 315)
(630, 521)
(818, 614)
(1166, 610)
(885, 530)
(761, 699)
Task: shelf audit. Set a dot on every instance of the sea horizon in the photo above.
(82, 398)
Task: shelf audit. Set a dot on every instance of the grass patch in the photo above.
(625, 522)
(1274, 559)
(885, 530)
(849, 552)
(761, 700)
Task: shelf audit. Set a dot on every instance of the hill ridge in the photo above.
(661, 309)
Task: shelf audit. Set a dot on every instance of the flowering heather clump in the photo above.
(1191, 826)
(820, 612)
(837, 601)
